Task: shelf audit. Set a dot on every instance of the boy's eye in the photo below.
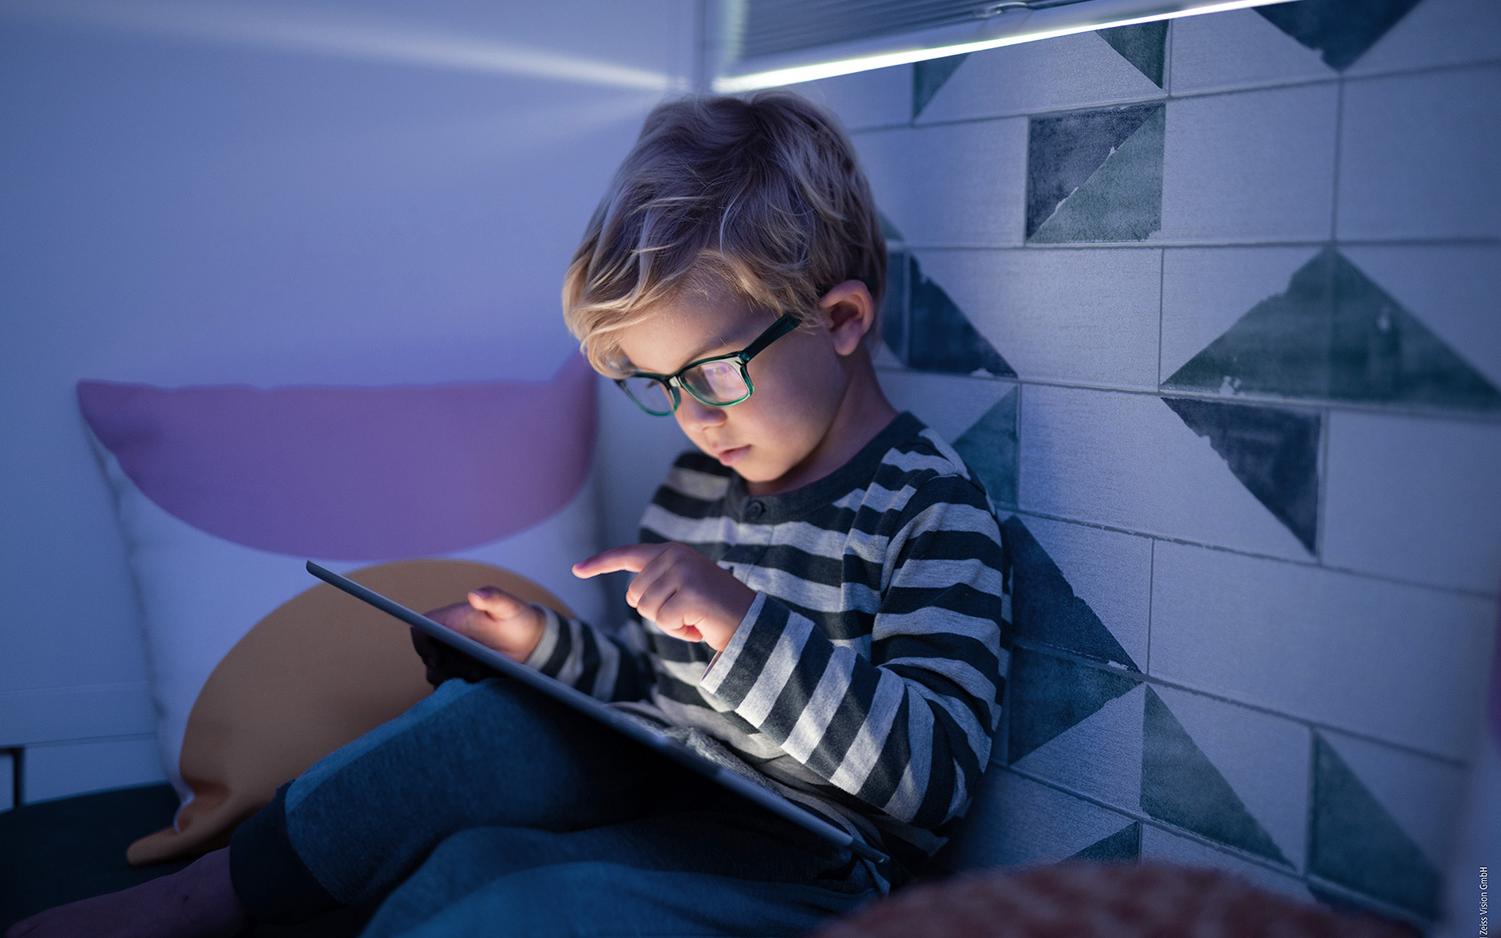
(649, 393)
(718, 381)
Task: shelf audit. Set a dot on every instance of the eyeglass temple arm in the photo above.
(778, 329)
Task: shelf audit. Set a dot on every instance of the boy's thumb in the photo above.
(491, 598)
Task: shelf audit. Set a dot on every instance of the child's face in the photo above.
(801, 380)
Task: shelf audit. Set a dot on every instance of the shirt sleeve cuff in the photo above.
(552, 628)
(724, 663)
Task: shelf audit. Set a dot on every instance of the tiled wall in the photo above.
(1212, 306)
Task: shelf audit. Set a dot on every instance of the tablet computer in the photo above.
(598, 710)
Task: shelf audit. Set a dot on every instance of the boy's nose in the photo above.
(695, 413)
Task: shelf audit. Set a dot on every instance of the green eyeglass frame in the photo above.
(673, 382)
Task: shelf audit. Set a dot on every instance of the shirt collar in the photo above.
(857, 470)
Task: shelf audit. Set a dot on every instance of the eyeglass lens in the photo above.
(719, 382)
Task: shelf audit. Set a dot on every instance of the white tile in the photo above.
(1436, 32)
(956, 185)
(1129, 461)
(1159, 844)
(1417, 156)
(57, 770)
(1422, 795)
(876, 98)
(1016, 821)
(1064, 72)
(1085, 316)
(1405, 664)
(1108, 571)
(1450, 288)
(1263, 758)
(1205, 291)
(1099, 756)
(950, 404)
(1416, 499)
(1238, 49)
(1253, 166)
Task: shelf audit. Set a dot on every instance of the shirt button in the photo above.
(754, 509)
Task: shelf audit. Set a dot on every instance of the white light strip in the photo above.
(354, 33)
(1012, 21)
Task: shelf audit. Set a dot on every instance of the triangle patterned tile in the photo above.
(1050, 694)
(1100, 755)
(940, 336)
(1044, 606)
(1122, 846)
(928, 76)
(894, 305)
(1357, 843)
(1180, 785)
(1109, 160)
(989, 448)
(1263, 758)
(1341, 31)
(889, 230)
(1144, 45)
(1272, 451)
(1015, 820)
(1334, 333)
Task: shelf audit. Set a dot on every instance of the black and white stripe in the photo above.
(866, 678)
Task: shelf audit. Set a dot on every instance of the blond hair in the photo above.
(760, 197)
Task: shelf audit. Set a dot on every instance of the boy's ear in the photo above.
(849, 312)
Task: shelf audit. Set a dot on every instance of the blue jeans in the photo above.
(489, 808)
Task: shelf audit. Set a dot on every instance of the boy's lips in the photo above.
(731, 454)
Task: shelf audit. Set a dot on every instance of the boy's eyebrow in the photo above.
(691, 358)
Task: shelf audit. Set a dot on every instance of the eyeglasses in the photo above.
(719, 381)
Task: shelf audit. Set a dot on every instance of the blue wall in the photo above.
(1211, 307)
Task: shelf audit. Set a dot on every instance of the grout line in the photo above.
(1339, 133)
(1036, 647)
(1167, 57)
(1018, 497)
(1457, 241)
(1151, 593)
(1238, 552)
(1166, 95)
(1310, 404)
(1161, 303)
(1219, 846)
(1308, 826)
(699, 78)
(1148, 820)
(1321, 518)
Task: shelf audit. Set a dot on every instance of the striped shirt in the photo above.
(864, 683)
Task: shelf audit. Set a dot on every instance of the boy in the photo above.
(822, 575)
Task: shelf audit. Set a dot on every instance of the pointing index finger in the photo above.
(632, 557)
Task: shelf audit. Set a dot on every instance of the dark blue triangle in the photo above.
(1144, 45)
(941, 337)
(1050, 694)
(1063, 151)
(894, 305)
(1044, 607)
(988, 447)
(1334, 333)
(1272, 451)
(1340, 30)
(928, 76)
(1180, 785)
(1357, 843)
(1121, 846)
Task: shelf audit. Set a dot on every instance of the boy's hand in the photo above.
(678, 588)
(490, 616)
